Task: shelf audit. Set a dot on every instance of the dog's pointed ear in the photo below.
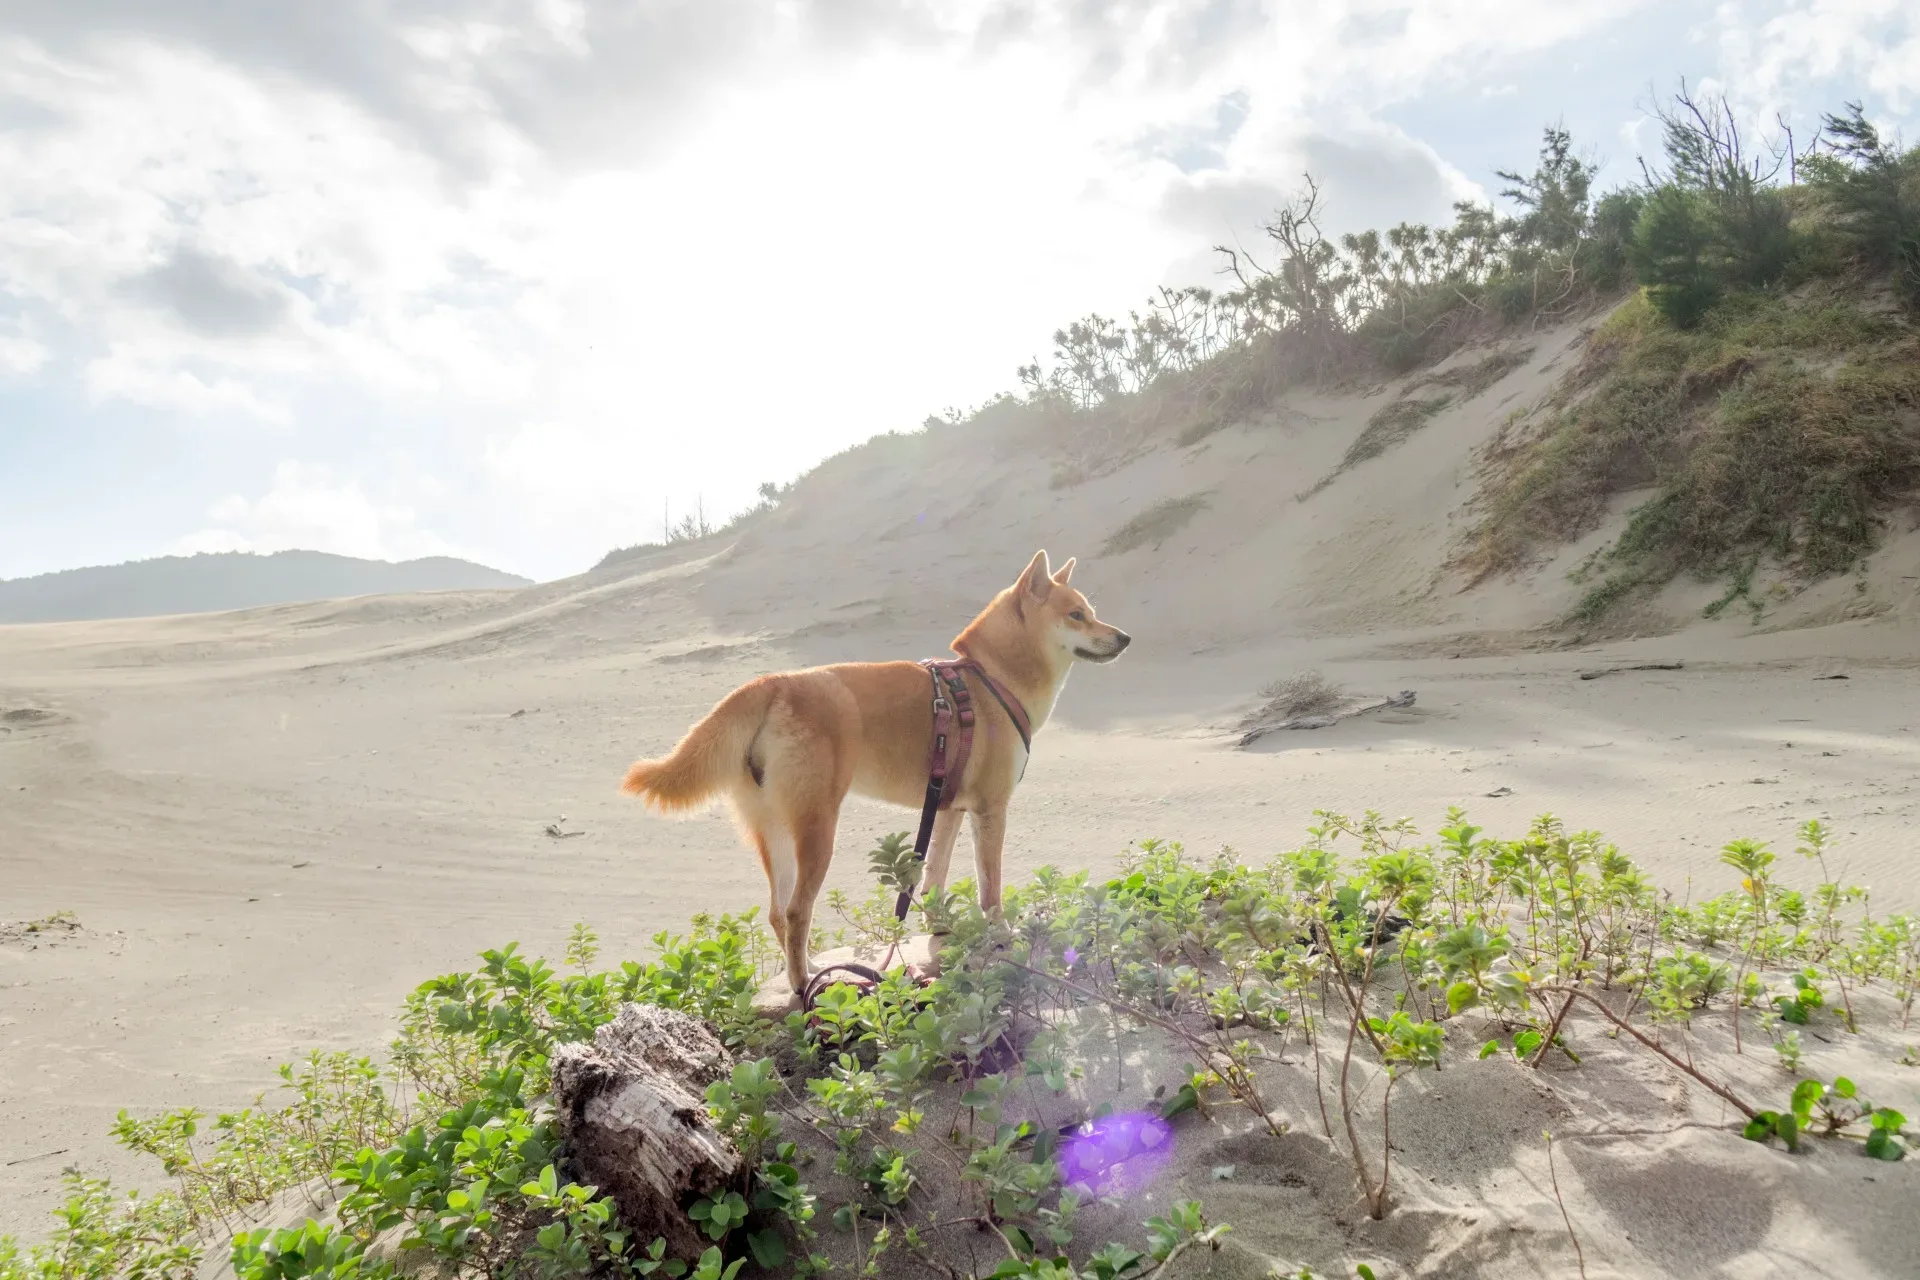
(1065, 574)
(1037, 580)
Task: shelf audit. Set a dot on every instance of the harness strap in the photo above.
(1009, 704)
(953, 719)
(948, 749)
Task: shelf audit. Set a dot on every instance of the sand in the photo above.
(272, 824)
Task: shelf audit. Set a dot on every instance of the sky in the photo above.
(507, 280)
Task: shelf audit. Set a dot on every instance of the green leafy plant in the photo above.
(1353, 954)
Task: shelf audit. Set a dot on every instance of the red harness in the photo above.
(947, 751)
(953, 719)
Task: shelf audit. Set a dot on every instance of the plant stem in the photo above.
(1239, 1081)
(1319, 1091)
(1346, 1117)
(1552, 1173)
(1386, 1145)
(1553, 1030)
(1713, 1086)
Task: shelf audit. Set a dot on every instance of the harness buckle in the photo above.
(941, 704)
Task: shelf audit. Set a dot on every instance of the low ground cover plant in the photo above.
(963, 1127)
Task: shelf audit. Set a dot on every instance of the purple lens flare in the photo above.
(1116, 1155)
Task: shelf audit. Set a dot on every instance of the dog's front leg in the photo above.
(946, 829)
(989, 834)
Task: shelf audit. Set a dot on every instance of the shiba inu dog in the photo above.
(786, 749)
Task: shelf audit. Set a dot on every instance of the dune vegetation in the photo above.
(1754, 383)
(1003, 1119)
(1761, 384)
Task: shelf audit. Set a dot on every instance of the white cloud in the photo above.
(21, 353)
(186, 214)
(1772, 50)
(310, 508)
(152, 380)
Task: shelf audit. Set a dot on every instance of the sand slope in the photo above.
(273, 823)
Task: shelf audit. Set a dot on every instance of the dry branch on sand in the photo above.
(1308, 701)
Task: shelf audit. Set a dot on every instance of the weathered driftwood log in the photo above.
(632, 1109)
(1399, 700)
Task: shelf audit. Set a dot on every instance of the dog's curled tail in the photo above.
(711, 755)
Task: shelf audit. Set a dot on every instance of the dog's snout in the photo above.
(1120, 640)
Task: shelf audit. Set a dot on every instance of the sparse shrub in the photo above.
(1679, 256)
(1156, 524)
(1873, 190)
(1600, 600)
(1607, 254)
(1306, 693)
(1472, 379)
(1390, 425)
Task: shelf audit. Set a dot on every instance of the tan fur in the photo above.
(812, 736)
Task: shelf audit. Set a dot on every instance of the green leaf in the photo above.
(1843, 1087)
(1488, 1049)
(1113, 1261)
(1882, 1145)
(1462, 995)
(1760, 1128)
(1364, 1271)
(1526, 1042)
(1185, 1099)
(768, 1248)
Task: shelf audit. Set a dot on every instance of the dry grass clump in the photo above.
(1156, 524)
(1236, 386)
(1391, 425)
(1305, 693)
(1472, 379)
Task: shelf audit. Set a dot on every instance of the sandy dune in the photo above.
(272, 824)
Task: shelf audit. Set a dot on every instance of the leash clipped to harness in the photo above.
(947, 753)
(953, 718)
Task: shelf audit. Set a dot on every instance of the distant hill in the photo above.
(214, 581)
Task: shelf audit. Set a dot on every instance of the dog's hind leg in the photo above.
(813, 852)
(777, 908)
